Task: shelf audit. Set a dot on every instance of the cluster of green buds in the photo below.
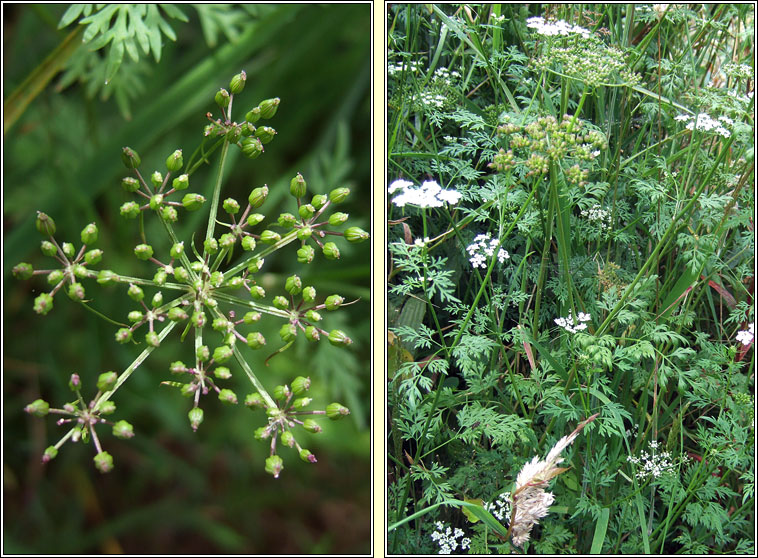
(547, 140)
(199, 293)
(73, 265)
(83, 418)
(289, 412)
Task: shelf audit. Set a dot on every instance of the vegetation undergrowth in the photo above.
(571, 234)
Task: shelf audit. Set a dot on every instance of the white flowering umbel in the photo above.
(447, 538)
(529, 501)
(553, 28)
(704, 123)
(572, 323)
(501, 507)
(482, 248)
(746, 335)
(429, 194)
(598, 216)
(653, 464)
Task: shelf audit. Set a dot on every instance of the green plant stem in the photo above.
(216, 193)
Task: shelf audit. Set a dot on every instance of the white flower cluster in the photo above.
(652, 464)
(552, 28)
(739, 71)
(482, 248)
(432, 100)
(413, 66)
(572, 324)
(705, 123)
(741, 98)
(598, 216)
(445, 75)
(746, 335)
(501, 508)
(429, 194)
(447, 538)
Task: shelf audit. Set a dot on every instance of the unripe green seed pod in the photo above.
(169, 213)
(222, 98)
(318, 201)
(45, 224)
(312, 316)
(288, 439)
(193, 202)
(312, 426)
(254, 265)
(143, 251)
(333, 302)
(135, 316)
(247, 129)
(130, 210)
(307, 456)
(152, 339)
(92, 257)
(48, 248)
(220, 324)
(43, 303)
(355, 235)
(160, 277)
(338, 195)
(331, 252)
(197, 266)
(234, 282)
(74, 382)
(281, 392)
(280, 302)
(312, 334)
(255, 340)
(301, 402)
(222, 373)
(257, 292)
(195, 417)
(335, 411)
(227, 396)
(104, 462)
(238, 83)
(175, 161)
(309, 294)
(254, 400)
(181, 182)
(157, 300)
(106, 277)
(252, 147)
(255, 218)
(261, 433)
(248, 243)
(339, 339)
(234, 133)
(337, 218)
(227, 240)
(270, 237)
(23, 271)
(124, 335)
(50, 453)
(286, 220)
(130, 158)
(257, 197)
(222, 354)
(253, 115)
(156, 178)
(231, 206)
(304, 233)
(177, 367)
(198, 319)
(298, 186)
(265, 134)
(107, 380)
(130, 184)
(177, 250)
(79, 271)
(300, 385)
(203, 353)
(181, 274)
(288, 332)
(55, 276)
(89, 234)
(156, 201)
(176, 314)
(211, 245)
(251, 317)
(68, 249)
(274, 465)
(188, 390)
(268, 107)
(306, 211)
(123, 430)
(107, 408)
(135, 292)
(38, 408)
(293, 285)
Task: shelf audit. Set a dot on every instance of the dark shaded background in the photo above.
(172, 490)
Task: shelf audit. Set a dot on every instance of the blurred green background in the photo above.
(174, 491)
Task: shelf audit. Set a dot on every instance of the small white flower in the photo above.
(553, 28)
(653, 464)
(573, 324)
(483, 247)
(746, 336)
(447, 538)
(429, 194)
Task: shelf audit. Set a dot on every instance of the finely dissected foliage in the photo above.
(571, 239)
